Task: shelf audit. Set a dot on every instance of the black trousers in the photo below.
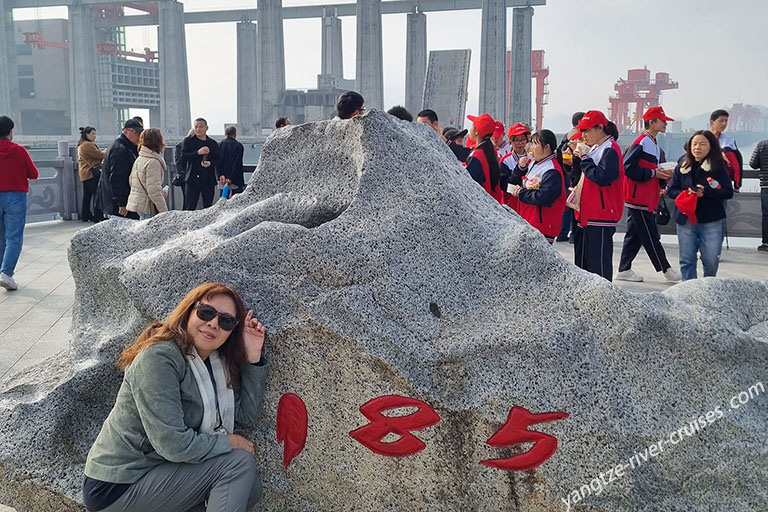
(192, 192)
(593, 250)
(764, 208)
(89, 191)
(642, 232)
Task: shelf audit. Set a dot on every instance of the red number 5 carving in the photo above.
(371, 435)
(515, 431)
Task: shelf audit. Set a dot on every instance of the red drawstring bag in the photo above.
(686, 203)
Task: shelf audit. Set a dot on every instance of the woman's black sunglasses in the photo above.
(207, 313)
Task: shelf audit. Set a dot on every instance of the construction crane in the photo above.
(744, 118)
(541, 74)
(107, 11)
(638, 89)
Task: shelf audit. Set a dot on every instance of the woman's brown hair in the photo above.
(174, 328)
(152, 138)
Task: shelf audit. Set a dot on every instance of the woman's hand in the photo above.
(523, 163)
(514, 190)
(240, 443)
(699, 190)
(253, 338)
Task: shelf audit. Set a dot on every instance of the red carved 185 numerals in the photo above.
(292, 429)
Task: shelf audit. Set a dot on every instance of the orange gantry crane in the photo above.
(640, 91)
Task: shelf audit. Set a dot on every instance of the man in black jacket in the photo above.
(759, 160)
(230, 164)
(114, 187)
(200, 153)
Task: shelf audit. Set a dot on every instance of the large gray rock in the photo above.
(379, 267)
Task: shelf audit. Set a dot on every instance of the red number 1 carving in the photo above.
(515, 431)
(371, 435)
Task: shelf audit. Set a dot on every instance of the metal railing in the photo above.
(58, 192)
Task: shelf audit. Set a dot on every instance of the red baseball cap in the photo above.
(498, 130)
(590, 119)
(484, 124)
(686, 202)
(518, 129)
(656, 113)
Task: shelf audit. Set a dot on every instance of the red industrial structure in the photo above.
(541, 74)
(744, 118)
(638, 89)
(106, 11)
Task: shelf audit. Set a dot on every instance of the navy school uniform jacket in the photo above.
(543, 207)
(477, 165)
(709, 207)
(602, 195)
(641, 187)
(507, 166)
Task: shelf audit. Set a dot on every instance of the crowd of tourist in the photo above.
(577, 190)
(169, 441)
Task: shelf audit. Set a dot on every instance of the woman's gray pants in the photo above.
(226, 483)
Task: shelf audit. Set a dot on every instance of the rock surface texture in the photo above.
(379, 267)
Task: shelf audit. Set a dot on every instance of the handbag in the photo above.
(662, 213)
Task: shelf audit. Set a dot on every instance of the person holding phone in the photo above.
(704, 174)
(168, 444)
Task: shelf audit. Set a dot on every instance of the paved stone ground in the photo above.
(34, 321)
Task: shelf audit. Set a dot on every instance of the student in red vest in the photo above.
(519, 137)
(541, 188)
(602, 194)
(642, 186)
(482, 164)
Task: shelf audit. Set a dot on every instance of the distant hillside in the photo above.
(701, 121)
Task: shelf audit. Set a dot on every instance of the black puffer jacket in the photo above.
(759, 160)
(114, 187)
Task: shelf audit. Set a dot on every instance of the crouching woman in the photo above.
(168, 443)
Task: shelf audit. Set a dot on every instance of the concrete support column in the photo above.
(248, 90)
(175, 116)
(85, 95)
(369, 68)
(9, 78)
(493, 62)
(332, 63)
(520, 65)
(415, 60)
(270, 62)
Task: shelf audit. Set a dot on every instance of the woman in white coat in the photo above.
(147, 196)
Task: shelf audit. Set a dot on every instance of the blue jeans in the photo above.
(13, 217)
(706, 238)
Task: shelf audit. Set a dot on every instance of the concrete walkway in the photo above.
(34, 321)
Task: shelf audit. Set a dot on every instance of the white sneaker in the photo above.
(672, 275)
(628, 275)
(8, 283)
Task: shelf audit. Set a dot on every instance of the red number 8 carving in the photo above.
(371, 435)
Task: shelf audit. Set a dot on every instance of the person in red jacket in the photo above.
(540, 186)
(17, 168)
(642, 186)
(483, 164)
(602, 194)
(519, 137)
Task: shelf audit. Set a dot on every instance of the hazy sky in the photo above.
(715, 49)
